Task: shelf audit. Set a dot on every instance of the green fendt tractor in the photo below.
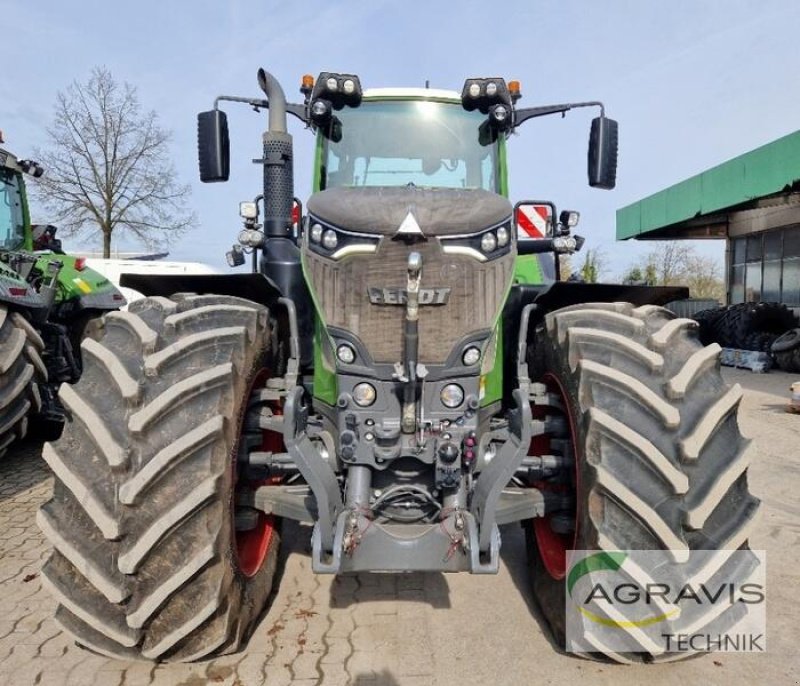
(401, 369)
(48, 302)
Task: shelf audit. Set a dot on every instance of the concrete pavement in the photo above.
(408, 630)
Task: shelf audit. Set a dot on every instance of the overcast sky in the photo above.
(692, 82)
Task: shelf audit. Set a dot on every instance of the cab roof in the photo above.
(412, 93)
(8, 159)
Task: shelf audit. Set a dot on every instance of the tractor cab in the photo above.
(410, 136)
(14, 220)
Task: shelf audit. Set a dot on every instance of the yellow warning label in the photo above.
(80, 283)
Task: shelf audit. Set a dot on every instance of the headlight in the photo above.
(502, 236)
(500, 113)
(364, 394)
(251, 238)
(471, 356)
(452, 395)
(319, 109)
(329, 239)
(488, 242)
(316, 233)
(346, 354)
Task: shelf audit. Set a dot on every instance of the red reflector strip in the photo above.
(18, 291)
(80, 264)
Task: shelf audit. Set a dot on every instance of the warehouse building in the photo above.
(752, 202)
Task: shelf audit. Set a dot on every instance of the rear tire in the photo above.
(786, 350)
(145, 561)
(22, 371)
(660, 461)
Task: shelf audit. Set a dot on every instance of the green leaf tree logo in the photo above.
(606, 561)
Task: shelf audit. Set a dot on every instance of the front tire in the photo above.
(658, 459)
(22, 372)
(146, 560)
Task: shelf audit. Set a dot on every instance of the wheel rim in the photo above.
(253, 545)
(553, 546)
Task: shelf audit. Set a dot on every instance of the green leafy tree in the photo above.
(593, 265)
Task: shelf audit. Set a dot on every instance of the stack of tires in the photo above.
(709, 324)
(786, 350)
(763, 327)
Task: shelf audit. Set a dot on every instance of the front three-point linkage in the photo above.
(408, 372)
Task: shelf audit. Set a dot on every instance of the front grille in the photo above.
(477, 292)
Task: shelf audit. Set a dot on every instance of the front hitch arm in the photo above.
(411, 343)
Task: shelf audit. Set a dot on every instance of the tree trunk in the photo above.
(106, 244)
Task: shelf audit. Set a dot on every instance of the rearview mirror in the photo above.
(603, 143)
(213, 146)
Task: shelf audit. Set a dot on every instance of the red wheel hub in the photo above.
(253, 545)
(553, 546)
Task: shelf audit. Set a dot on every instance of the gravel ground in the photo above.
(414, 629)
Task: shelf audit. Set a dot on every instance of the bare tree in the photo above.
(108, 168)
(676, 264)
(704, 278)
(669, 263)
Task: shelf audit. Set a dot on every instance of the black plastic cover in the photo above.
(603, 147)
(213, 146)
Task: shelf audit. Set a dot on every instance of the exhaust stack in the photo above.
(278, 165)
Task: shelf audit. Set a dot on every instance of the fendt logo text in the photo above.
(399, 296)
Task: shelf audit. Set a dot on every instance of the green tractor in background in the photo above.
(48, 302)
(402, 370)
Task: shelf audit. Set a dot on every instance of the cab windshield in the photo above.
(400, 142)
(12, 227)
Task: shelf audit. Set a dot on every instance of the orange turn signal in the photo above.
(308, 81)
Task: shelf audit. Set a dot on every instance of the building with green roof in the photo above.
(752, 202)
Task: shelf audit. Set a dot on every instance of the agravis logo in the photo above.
(611, 561)
(644, 601)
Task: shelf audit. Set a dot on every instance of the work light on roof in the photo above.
(341, 90)
(499, 113)
(482, 94)
(320, 108)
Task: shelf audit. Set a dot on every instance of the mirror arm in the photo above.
(298, 111)
(522, 115)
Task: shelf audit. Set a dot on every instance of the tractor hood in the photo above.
(359, 293)
(437, 212)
